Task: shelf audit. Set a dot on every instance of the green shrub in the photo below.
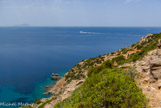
(37, 101)
(94, 70)
(110, 88)
(145, 42)
(98, 61)
(139, 47)
(107, 64)
(119, 59)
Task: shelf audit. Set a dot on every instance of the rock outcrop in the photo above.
(150, 65)
(63, 90)
(155, 68)
(150, 70)
(143, 39)
(55, 76)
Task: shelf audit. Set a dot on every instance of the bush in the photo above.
(37, 101)
(107, 64)
(139, 47)
(120, 59)
(110, 88)
(98, 61)
(94, 70)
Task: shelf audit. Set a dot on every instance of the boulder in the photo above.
(156, 73)
(155, 68)
(155, 63)
(55, 76)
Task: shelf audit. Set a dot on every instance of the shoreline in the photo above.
(48, 88)
(54, 77)
(66, 85)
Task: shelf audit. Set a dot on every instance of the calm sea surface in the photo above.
(29, 55)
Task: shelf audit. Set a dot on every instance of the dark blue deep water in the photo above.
(29, 55)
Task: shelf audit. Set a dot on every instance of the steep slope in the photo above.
(142, 57)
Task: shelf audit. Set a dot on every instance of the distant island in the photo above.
(22, 25)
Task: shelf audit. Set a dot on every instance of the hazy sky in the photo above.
(80, 12)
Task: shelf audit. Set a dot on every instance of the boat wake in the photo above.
(82, 32)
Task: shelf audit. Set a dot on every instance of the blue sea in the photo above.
(29, 55)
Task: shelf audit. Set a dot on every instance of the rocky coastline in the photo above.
(48, 88)
(148, 67)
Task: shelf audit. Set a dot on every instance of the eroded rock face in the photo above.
(156, 74)
(150, 66)
(150, 69)
(58, 86)
(155, 68)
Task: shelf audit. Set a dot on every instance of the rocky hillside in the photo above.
(142, 57)
(150, 82)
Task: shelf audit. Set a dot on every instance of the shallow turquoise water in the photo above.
(18, 99)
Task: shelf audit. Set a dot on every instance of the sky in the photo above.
(137, 13)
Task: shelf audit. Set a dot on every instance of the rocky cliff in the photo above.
(144, 56)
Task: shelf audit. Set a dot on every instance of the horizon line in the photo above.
(82, 26)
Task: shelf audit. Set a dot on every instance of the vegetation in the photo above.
(120, 59)
(74, 76)
(149, 45)
(110, 88)
(125, 50)
(145, 47)
(139, 47)
(95, 70)
(76, 72)
(43, 105)
(37, 101)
